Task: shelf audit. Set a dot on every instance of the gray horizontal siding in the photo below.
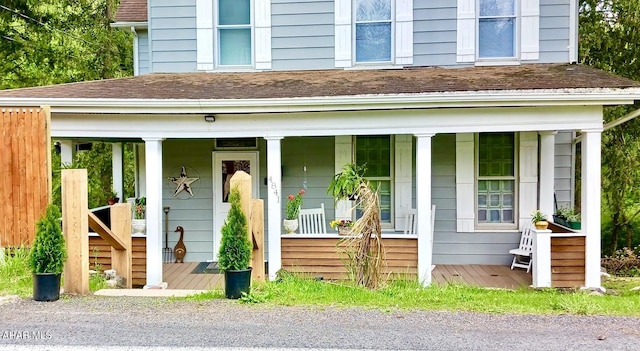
(302, 34)
(554, 31)
(434, 32)
(317, 155)
(173, 35)
(143, 52)
(563, 168)
(451, 247)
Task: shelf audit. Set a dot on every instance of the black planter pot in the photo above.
(46, 286)
(237, 282)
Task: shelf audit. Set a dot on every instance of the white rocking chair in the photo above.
(312, 221)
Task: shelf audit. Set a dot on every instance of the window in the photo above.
(234, 32)
(496, 178)
(374, 151)
(373, 19)
(497, 24)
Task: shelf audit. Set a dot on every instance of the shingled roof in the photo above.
(333, 83)
(132, 11)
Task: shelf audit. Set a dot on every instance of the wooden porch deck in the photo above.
(180, 276)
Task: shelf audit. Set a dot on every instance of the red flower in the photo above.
(301, 192)
(290, 197)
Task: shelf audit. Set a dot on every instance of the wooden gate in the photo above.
(25, 172)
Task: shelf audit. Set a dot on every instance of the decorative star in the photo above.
(183, 183)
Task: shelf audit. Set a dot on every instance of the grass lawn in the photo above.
(15, 279)
(410, 295)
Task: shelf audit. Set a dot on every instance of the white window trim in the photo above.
(401, 35)
(391, 22)
(390, 178)
(528, 33)
(516, 36)
(526, 183)
(515, 177)
(206, 41)
(217, 41)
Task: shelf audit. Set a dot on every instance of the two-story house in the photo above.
(474, 106)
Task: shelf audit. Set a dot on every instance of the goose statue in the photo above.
(180, 250)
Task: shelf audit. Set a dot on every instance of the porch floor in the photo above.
(179, 276)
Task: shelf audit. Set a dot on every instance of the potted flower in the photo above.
(112, 197)
(560, 217)
(343, 226)
(48, 255)
(573, 220)
(139, 223)
(539, 219)
(235, 250)
(292, 210)
(344, 185)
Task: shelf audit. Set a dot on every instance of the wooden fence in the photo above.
(25, 172)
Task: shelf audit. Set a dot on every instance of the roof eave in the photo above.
(565, 97)
(128, 25)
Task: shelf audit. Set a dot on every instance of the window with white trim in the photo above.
(497, 31)
(496, 179)
(234, 33)
(374, 152)
(497, 28)
(373, 30)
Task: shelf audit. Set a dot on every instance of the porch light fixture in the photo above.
(209, 118)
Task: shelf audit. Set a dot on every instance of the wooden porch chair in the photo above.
(312, 221)
(522, 255)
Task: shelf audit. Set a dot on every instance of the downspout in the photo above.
(136, 69)
(573, 31)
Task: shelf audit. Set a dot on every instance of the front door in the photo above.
(225, 164)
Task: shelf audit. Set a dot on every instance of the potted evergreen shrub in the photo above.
(344, 185)
(139, 223)
(235, 250)
(48, 255)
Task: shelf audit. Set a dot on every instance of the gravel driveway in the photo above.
(137, 323)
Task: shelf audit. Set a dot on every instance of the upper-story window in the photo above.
(497, 24)
(373, 23)
(497, 31)
(234, 27)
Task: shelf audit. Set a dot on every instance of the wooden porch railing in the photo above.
(76, 218)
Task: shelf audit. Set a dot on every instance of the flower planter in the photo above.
(574, 225)
(541, 225)
(344, 230)
(290, 225)
(138, 226)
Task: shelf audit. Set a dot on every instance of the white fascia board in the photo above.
(505, 98)
(129, 25)
(431, 121)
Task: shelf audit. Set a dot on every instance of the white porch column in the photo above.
(591, 183)
(547, 172)
(117, 169)
(541, 264)
(67, 152)
(153, 151)
(274, 194)
(423, 207)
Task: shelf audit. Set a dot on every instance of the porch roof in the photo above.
(415, 87)
(132, 11)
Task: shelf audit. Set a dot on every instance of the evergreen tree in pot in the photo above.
(48, 255)
(235, 250)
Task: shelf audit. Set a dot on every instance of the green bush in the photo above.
(235, 247)
(48, 252)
